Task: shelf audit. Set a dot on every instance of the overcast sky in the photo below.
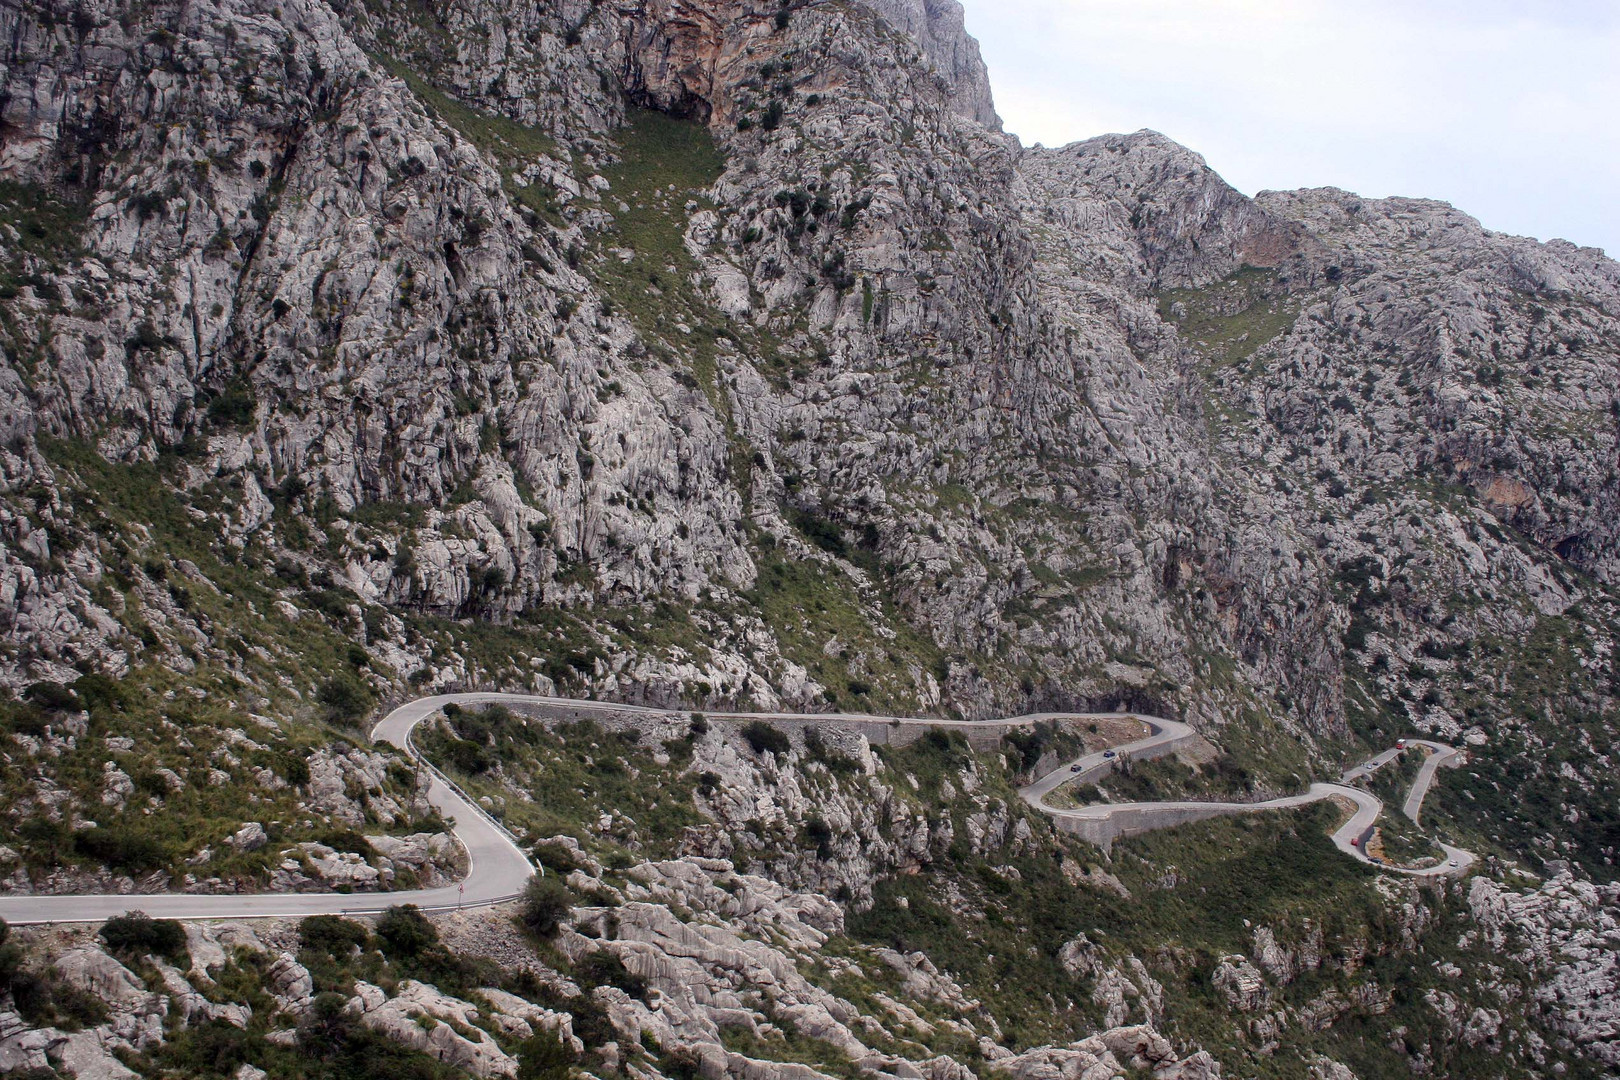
(1510, 111)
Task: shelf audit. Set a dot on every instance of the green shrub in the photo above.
(823, 532)
(341, 839)
(234, 407)
(45, 1001)
(215, 1048)
(607, 969)
(296, 771)
(136, 934)
(54, 697)
(331, 935)
(326, 1025)
(45, 840)
(345, 697)
(97, 691)
(546, 903)
(681, 1064)
(555, 857)
(816, 749)
(544, 1057)
(28, 720)
(762, 737)
(468, 757)
(10, 957)
(121, 847)
(819, 833)
(406, 932)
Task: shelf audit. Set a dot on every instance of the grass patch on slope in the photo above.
(574, 775)
(641, 263)
(207, 644)
(821, 624)
(1232, 319)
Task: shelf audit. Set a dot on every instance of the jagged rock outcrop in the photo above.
(939, 27)
(1566, 931)
(715, 949)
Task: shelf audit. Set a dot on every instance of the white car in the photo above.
(1453, 862)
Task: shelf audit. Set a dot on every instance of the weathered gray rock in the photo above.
(1092, 425)
(938, 27)
(290, 983)
(420, 1017)
(1241, 983)
(1566, 932)
(250, 837)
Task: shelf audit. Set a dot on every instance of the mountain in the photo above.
(713, 354)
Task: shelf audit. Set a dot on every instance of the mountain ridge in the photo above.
(715, 354)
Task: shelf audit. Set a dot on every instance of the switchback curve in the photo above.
(498, 869)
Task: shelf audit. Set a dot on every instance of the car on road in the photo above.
(1370, 766)
(1400, 744)
(1452, 862)
(1077, 766)
(1355, 841)
(1110, 754)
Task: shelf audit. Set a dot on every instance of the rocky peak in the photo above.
(1192, 226)
(939, 27)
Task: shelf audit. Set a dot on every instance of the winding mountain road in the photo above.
(498, 869)
(1349, 837)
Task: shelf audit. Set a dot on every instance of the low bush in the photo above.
(546, 903)
(53, 696)
(406, 932)
(136, 934)
(555, 857)
(544, 1056)
(120, 847)
(331, 935)
(816, 749)
(10, 957)
(340, 839)
(345, 697)
(45, 1001)
(607, 969)
(762, 737)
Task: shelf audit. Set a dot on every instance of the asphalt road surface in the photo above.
(1367, 807)
(498, 868)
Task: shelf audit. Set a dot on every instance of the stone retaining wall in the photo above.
(1104, 831)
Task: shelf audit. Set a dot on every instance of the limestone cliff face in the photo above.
(425, 300)
(939, 27)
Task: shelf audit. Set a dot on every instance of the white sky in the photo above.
(1510, 111)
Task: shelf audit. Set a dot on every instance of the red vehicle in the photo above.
(1400, 744)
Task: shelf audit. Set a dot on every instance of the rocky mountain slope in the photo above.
(711, 352)
(819, 907)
